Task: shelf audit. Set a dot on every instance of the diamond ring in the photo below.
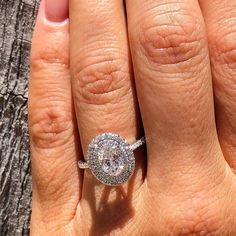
(111, 158)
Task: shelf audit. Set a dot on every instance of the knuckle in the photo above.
(53, 56)
(201, 221)
(223, 57)
(223, 48)
(201, 212)
(101, 81)
(50, 127)
(172, 42)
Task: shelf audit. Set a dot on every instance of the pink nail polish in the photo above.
(56, 10)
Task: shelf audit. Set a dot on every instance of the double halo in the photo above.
(111, 158)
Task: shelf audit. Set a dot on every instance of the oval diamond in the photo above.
(112, 159)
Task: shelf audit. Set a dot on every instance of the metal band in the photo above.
(137, 144)
(83, 165)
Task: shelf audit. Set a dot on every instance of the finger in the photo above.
(173, 80)
(53, 138)
(221, 27)
(102, 86)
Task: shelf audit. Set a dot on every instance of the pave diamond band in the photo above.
(137, 144)
(111, 159)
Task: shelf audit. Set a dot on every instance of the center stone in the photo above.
(111, 159)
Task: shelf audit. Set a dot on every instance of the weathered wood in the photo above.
(16, 24)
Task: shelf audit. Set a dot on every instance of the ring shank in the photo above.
(137, 144)
(83, 165)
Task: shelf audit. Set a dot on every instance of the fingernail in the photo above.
(56, 10)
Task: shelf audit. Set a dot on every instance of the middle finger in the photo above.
(173, 80)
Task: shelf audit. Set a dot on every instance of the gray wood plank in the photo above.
(17, 19)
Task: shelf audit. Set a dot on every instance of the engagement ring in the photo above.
(111, 158)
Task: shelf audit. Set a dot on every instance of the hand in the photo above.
(185, 183)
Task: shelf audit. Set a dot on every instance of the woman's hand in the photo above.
(185, 183)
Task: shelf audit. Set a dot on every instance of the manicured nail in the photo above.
(56, 10)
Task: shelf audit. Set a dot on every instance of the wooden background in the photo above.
(17, 19)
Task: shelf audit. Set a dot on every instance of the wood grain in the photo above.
(17, 18)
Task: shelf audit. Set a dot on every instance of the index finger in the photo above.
(52, 127)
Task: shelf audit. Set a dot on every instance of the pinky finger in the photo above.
(52, 123)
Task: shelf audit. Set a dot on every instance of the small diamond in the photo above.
(111, 159)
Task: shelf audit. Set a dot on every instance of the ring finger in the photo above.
(102, 85)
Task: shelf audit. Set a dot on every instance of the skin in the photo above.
(179, 89)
